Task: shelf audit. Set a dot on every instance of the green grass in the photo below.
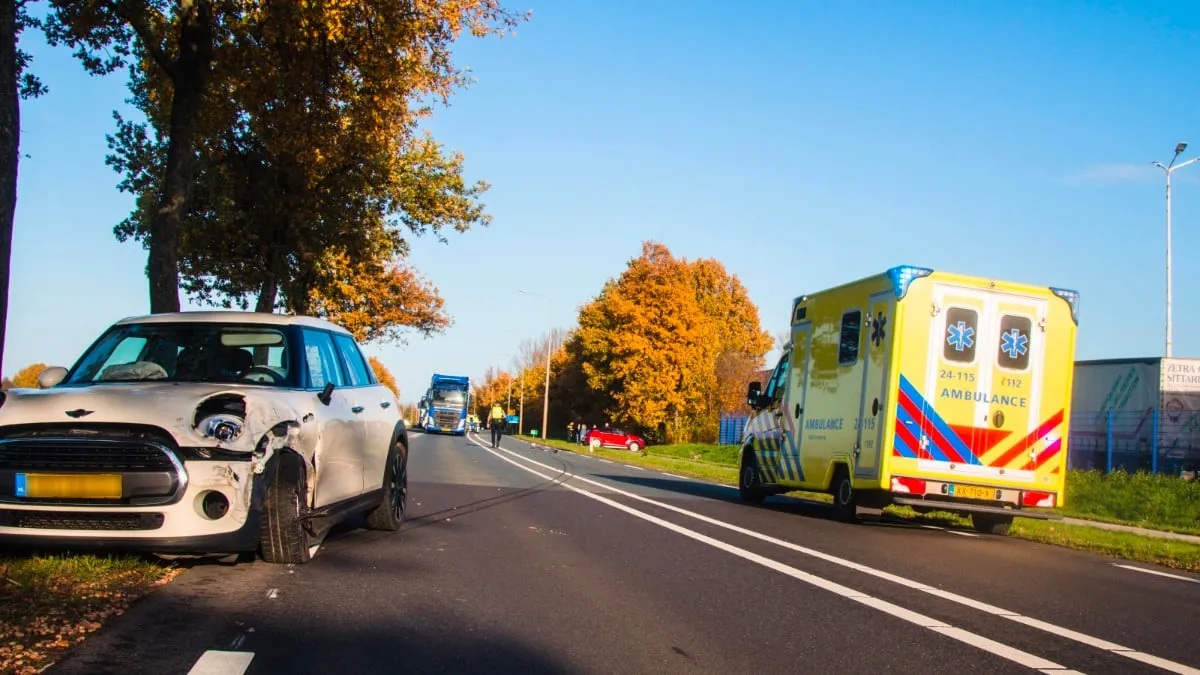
(50, 603)
(1143, 500)
(1181, 555)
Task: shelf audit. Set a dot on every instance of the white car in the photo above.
(209, 433)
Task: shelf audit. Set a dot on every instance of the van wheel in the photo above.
(991, 523)
(845, 507)
(284, 537)
(750, 487)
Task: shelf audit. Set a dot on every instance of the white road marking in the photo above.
(942, 628)
(217, 662)
(673, 475)
(1053, 629)
(950, 531)
(1157, 573)
(273, 594)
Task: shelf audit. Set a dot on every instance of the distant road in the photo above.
(521, 560)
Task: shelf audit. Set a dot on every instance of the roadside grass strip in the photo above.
(1181, 555)
(996, 648)
(51, 603)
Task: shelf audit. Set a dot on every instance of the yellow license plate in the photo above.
(972, 492)
(69, 485)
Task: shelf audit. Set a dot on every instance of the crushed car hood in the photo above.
(166, 405)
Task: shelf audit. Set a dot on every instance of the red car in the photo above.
(613, 438)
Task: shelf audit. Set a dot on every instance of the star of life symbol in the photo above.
(960, 336)
(1014, 344)
(879, 328)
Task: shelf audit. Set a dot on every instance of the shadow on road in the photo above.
(778, 503)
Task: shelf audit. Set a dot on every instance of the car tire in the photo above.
(991, 523)
(595, 444)
(389, 514)
(634, 447)
(750, 487)
(845, 507)
(284, 538)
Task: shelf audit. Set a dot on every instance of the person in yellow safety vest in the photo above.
(496, 423)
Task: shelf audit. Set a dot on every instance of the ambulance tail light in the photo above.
(910, 486)
(1041, 500)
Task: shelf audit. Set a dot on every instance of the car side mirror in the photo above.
(51, 376)
(326, 394)
(754, 394)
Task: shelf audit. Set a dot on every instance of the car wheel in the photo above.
(595, 443)
(284, 538)
(750, 487)
(389, 514)
(634, 447)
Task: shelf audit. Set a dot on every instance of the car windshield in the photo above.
(195, 352)
(449, 397)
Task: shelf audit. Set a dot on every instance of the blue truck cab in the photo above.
(446, 404)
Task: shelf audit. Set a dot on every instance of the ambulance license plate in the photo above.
(68, 486)
(972, 492)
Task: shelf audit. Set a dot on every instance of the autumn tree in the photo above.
(384, 375)
(653, 340)
(27, 377)
(177, 41)
(16, 83)
(310, 171)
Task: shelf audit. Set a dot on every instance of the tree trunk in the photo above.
(266, 297)
(190, 79)
(10, 141)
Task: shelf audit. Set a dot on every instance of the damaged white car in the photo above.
(203, 433)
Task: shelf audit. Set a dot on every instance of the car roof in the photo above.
(234, 317)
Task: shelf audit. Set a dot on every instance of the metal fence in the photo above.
(1133, 440)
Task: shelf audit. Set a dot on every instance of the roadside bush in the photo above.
(1138, 498)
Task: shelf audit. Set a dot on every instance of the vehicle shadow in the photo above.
(778, 503)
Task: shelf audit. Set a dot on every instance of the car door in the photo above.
(339, 458)
(377, 411)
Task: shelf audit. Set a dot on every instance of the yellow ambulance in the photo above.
(918, 387)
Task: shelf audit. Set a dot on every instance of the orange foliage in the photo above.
(665, 344)
(28, 376)
(384, 375)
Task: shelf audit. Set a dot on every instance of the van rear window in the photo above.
(851, 330)
(1014, 341)
(962, 326)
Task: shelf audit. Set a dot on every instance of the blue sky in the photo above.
(802, 144)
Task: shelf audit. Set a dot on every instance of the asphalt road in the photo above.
(523, 560)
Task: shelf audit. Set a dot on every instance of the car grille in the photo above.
(69, 520)
(446, 420)
(36, 454)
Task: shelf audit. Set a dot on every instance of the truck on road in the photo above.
(928, 389)
(446, 404)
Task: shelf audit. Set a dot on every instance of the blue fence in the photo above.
(730, 430)
(1146, 440)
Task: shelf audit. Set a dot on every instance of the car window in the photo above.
(322, 360)
(358, 371)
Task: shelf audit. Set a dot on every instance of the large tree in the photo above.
(666, 343)
(304, 149)
(16, 83)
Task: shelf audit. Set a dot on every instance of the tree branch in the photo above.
(133, 13)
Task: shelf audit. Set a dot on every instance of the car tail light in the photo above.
(1038, 499)
(912, 486)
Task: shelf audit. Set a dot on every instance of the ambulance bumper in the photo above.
(946, 505)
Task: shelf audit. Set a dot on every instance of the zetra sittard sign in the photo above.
(1180, 376)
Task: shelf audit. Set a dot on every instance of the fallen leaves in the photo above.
(51, 603)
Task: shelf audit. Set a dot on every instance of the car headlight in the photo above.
(224, 428)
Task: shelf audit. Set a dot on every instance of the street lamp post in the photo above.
(1168, 169)
(546, 392)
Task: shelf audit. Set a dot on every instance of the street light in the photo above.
(1172, 166)
(549, 336)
